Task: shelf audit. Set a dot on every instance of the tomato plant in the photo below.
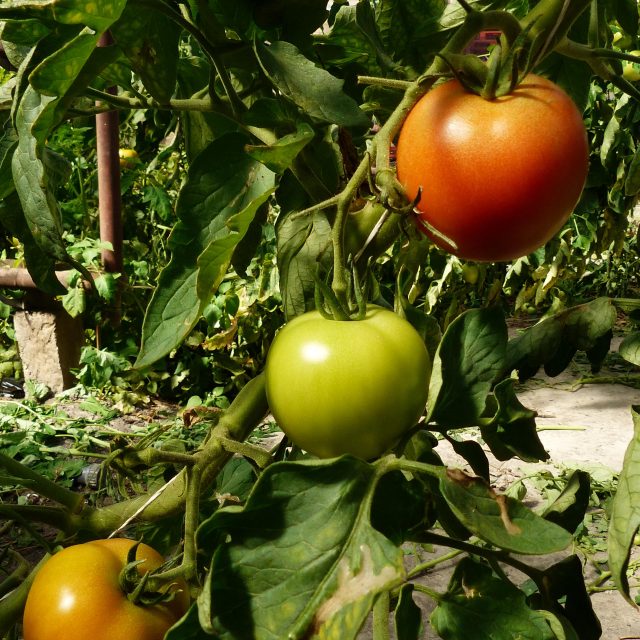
(498, 178)
(285, 129)
(77, 594)
(353, 387)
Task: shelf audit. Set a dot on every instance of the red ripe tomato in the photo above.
(76, 596)
(499, 177)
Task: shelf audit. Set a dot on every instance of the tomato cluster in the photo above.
(496, 179)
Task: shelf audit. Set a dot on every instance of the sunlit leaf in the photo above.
(625, 512)
(313, 89)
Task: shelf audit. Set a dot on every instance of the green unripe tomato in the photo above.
(631, 70)
(470, 273)
(347, 387)
(359, 226)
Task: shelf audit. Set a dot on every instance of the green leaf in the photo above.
(233, 14)
(625, 512)
(279, 156)
(586, 327)
(41, 266)
(19, 37)
(632, 179)
(301, 557)
(407, 616)
(214, 261)
(569, 508)
(74, 301)
(97, 15)
(236, 478)
(222, 180)
(564, 582)
(626, 13)
(313, 89)
(295, 19)
(106, 286)
(609, 139)
(354, 39)
(188, 627)
(467, 362)
(512, 429)
(481, 606)
(399, 507)
(200, 128)
(8, 144)
(474, 454)
(31, 181)
(55, 75)
(498, 519)
(574, 76)
(629, 348)
(149, 39)
(407, 27)
(304, 243)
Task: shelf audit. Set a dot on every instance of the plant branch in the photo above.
(125, 102)
(17, 576)
(340, 284)
(243, 415)
(426, 566)
(381, 616)
(41, 485)
(12, 605)
(490, 554)
(57, 517)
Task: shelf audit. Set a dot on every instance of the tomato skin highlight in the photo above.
(499, 177)
(76, 595)
(347, 387)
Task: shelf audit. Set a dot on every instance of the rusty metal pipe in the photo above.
(20, 278)
(109, 199)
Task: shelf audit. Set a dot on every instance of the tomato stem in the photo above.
(596, 59)
(340, 282)
(16, 577)
(381, 616)
(12, 605)
(244, 414)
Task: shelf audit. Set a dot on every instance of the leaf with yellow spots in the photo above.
(301, 559)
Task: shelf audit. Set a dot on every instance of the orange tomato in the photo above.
(76, 595)
(498, 178)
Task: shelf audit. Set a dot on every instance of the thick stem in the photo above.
(549, 22)
(127, 102)
(189, 566)
(17, 576)
(340, 284)
(245, 413)
(12, 605)
(381, 616)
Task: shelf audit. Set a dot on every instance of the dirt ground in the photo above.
(581, 425)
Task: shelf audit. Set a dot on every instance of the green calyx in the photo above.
(520, 48)
(136, 584)
(331, 308)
